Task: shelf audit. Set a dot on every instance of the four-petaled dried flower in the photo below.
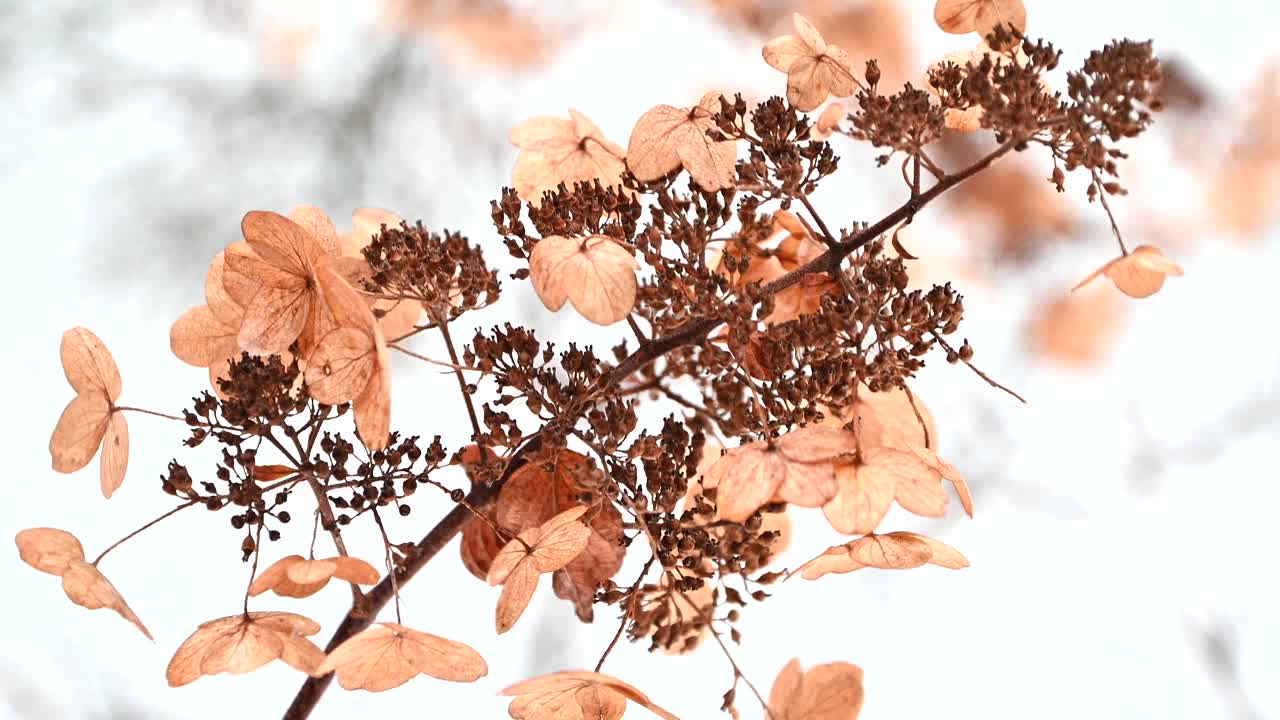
(666, 138)
(544, 549)
(554, 150)
(388, 655)
(797, 468)
(980, 16)
(869, 483)
(91, 421)
(243, 643)
(815, 70)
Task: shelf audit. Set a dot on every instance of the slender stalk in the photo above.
(119, 542)
(125, 408)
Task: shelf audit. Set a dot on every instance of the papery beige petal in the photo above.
(115, 454)
(88, 364)
(79, 432)
(318, 225)
(517, 589)
(48, 550)
(200, 338)
(275, 318)
(595, 273)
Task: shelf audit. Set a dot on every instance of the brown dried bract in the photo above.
(832, 691)
(980, 16)
(554, 150)
(595, 273)
(90, 421)
(666, 138)
(815, 70)
(1139, 274)
(891, 551)
(245, 642)
(297, 577)
(535, 494)
(544, 549)
(388, 655)
(576, 694)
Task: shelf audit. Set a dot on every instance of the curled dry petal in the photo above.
(815, 70)
(576, 694)
(388, 655)
(1139, 274)
(80, 430)
(554, 150)
(595, 273)
(294, 576)
(980, 16)
(87, 587)
(832, 691)
(88, 364)
(48, 549)
(891, 551)
(667, 137)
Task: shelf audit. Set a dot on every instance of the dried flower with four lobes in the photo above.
(815, 70)
(980, 16)
(243, 643)
(91, 421)
(554, 150)
(388, 655)
(666, 138)
(544, 549)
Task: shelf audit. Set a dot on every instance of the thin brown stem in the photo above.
(946, 346)
(626, 612)
(125, 408)
(418, 356)
(119, 542)
(462, 382)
